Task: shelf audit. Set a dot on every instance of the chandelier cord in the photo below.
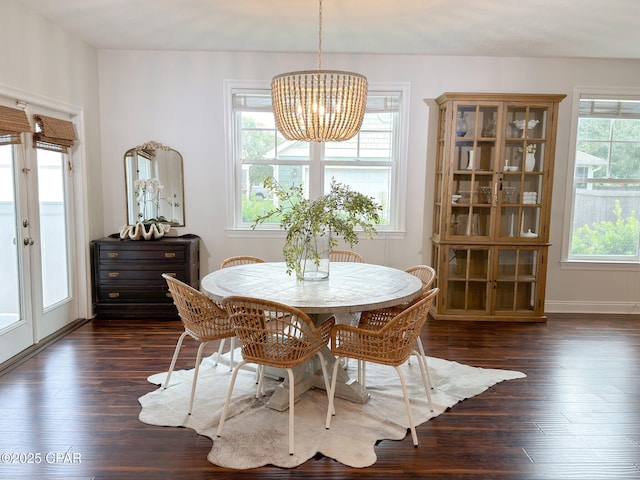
(320, 35)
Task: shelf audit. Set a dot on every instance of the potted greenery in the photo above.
(314, 226)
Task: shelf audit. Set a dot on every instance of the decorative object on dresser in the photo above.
(154, 191)
(491, 214)
(127, 275)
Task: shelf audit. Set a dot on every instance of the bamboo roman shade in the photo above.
(13, 122)
(53, 134)
(606, 108)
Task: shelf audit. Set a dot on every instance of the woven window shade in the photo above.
(13, 122)
(53, 134)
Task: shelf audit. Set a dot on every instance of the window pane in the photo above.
(625, 160)
(628, 130)
(594, 128)
(53, 234)
(258, 200)
(605, 221)
(9, 294)
(371, 181)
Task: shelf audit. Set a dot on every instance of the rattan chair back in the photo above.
(240, 260)
(203, 319)
(275, 334)
(425, 273)
(392, 344)
(345, 256)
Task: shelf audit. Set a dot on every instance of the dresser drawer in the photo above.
(137, 255)
(132, 293)
(146, 274)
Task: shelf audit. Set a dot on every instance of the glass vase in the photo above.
(461, 125)
(315, 259)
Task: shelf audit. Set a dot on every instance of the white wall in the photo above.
(176, 98)
(46, 66)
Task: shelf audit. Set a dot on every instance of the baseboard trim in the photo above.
(29, 352)
(592, 307)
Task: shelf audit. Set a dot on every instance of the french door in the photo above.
(37, 292)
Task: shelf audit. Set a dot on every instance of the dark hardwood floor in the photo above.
(575, 416)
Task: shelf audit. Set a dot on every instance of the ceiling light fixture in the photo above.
(319, 105)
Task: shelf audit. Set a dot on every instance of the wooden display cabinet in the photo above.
(494, 174)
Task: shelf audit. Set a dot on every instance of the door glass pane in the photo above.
(53, 232)
(9, 294)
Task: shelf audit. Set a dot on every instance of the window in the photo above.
(371, 162)
(605, 225)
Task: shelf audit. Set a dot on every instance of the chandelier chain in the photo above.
(320, 35)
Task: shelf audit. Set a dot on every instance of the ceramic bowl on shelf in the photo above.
(455, 198)
(520, 124)
(511, 168)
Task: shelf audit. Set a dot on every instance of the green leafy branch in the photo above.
(336, 214)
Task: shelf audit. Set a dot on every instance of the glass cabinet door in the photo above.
(521, 183)
(516, 285)
(467, 277)
(474, 185)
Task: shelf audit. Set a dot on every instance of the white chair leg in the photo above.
(364, 374)
(195, 375)
(228, 399)
(426, 365)
(219, 352)
(414, 436)
(425, 379)
(291, 407)
(260, 382)
(327, 385)
(331, 409)
(233, 349)
(173, 360)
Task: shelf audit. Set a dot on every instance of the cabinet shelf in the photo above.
(494, 164)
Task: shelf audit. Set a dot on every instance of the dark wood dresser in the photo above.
(127, 275)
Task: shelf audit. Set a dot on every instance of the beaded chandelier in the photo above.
(319, 105)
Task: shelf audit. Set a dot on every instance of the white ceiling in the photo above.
(521, 28)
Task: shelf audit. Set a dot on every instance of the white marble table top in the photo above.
(351, 287)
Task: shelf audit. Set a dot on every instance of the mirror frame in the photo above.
(176, 186)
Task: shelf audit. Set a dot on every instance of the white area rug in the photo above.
(255, 435)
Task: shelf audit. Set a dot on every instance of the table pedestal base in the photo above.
(346, 387)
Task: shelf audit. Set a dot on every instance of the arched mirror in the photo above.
(154, 184)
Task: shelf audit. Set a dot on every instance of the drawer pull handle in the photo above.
(114, 274)
(114, 295)
(169, 255)
(171, 274)
(112, 254)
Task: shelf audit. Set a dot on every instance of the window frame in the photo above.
(317, 163)
(582, 262)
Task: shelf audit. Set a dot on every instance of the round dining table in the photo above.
(350, 288)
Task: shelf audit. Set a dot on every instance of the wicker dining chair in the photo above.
(240, 260)
(376, 319)
(425, 273)
(345, 256)
(203, 320)
(391, 345)
(275, 335)
(226, 263)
